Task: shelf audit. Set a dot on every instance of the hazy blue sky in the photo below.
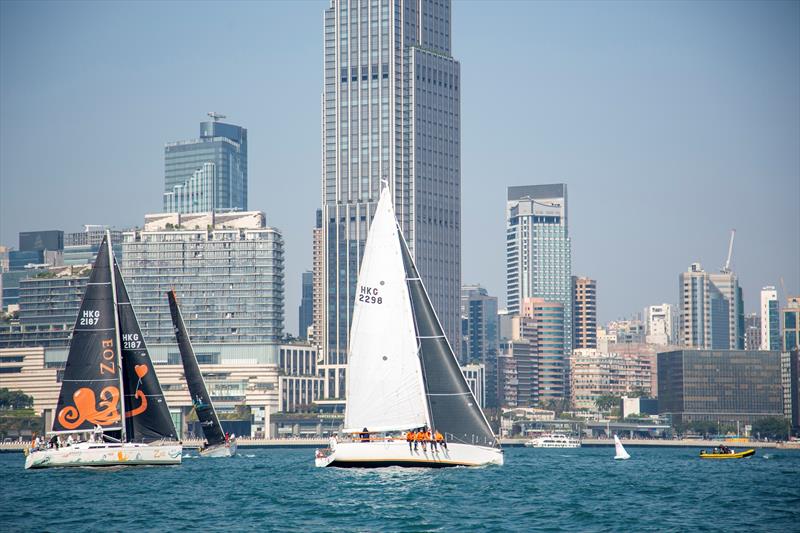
(670, 122)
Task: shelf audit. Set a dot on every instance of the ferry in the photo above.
(553, 440)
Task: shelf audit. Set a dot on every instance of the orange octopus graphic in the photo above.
(86, 408)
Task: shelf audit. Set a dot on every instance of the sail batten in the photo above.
(209, 421)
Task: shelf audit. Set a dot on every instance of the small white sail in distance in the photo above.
(621, 453)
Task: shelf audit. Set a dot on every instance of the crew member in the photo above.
(429, 438)
(364, 435)
(410, 439)
(421, 438)
(439, 439)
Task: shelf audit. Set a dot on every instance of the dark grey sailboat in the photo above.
(109, 387)
(218, 444)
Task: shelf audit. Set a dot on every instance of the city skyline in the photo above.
(710, 107)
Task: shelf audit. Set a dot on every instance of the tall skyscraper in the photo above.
(306, 311)
(712, 310)
(660, 323)
(209, 173)
(584, 312)
(391, 111)
(538, 250)
(770, 320)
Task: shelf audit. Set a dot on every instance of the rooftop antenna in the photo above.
(215, 116)
(727, 268)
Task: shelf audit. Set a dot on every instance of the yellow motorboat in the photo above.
(729, 455)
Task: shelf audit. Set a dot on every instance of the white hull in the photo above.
(397, 453)
(220, 450)
(106, 454)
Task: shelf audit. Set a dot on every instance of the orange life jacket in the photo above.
(409, 436)
(439, 437)
(420, 436)
(427, 435)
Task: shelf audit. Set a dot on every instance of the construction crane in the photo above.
(215, 116)
(727, 268)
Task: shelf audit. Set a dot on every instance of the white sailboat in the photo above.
(402, 374)
(620, 449)
(109, 388)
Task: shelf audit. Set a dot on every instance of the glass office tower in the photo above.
(209, 173)
(538, 249)
(391, 111)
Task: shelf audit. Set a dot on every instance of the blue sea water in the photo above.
(664, 489)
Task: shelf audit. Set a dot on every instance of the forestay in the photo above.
(384, 382)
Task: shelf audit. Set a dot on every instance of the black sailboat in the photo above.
(217, 443)
(109, 388)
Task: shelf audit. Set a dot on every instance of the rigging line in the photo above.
(449, 394)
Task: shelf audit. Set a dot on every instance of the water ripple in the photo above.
(547, 490)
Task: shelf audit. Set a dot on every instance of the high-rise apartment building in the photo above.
(538, 251)
(770, 320)
(391, 111)
(306, 311)
(480, 335)
(712, 310)
(594, 374)
(660, 324)
(208, 173)
(227, 272)
(49, 300)
(752, 331)
(584, 312)
(550, 346)
(479, 324)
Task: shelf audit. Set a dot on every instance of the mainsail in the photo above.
(90, 389)
(147, 417)
(453, 408)
(384, 380)
(209, 422)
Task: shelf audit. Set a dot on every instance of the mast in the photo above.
(117, 338)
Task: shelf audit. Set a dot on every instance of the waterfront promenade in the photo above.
(193, 444)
